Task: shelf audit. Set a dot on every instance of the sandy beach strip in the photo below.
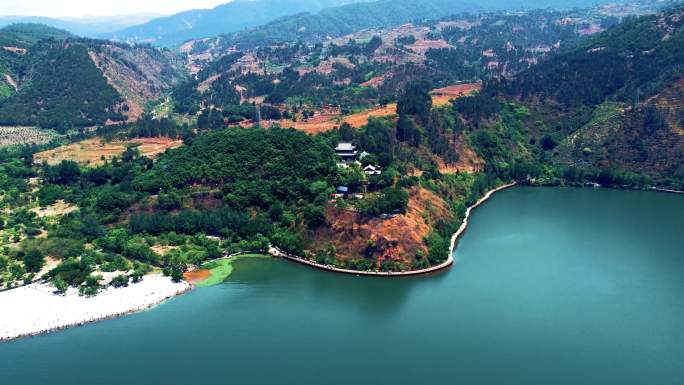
(34, 309)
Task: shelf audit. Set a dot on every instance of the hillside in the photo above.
(59, 87)
(54, 80)
(612, 105)
(230, 17)
(346, 19)
(639, 56)
(14, 42)
(140, 74)
(25, 35)
(318, 87)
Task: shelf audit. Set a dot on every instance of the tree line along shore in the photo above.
(36, 309)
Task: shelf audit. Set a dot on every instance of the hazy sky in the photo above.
(77, 8)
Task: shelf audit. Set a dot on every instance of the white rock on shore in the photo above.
(34, 309)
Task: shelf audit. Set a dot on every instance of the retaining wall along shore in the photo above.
(37, 322)
(450, 260)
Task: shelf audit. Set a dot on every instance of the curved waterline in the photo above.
(449, 261)
(561, 286)
(279, 253)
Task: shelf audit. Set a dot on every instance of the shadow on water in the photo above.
(372, 296)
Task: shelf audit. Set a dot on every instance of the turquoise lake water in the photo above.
(550, 286)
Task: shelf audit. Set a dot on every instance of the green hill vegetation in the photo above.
(26, 35)
(15, 39)
(638, 57)
(231, 188)
(346, 19)
(611, 105)
(65, 89)
(51, 79)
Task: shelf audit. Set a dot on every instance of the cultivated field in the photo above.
(443, 96)
(323, 123)
(92, 151)
(10, 136)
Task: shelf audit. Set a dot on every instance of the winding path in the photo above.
(450, 260)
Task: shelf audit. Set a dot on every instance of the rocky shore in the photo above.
(35, 309)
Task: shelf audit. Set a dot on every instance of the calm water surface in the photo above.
(551, 286)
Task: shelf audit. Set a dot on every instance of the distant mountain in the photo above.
(82, 26)
(27, 34)
(346, 19)
(52, 79)
(226, 18)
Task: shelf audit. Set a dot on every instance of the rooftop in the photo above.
(345, 147)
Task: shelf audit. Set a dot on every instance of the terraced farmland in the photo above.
(11, 136)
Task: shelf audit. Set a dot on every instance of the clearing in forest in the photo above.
(443, 96)
(323, 123)
(94, 151)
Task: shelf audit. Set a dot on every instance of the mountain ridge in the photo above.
(345, 19)
(82, 26)
(229, 17)
(55, 80)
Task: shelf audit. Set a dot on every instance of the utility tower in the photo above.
(258, 120)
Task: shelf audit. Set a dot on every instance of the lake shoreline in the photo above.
(45, 312)
(450, 260)
(161, 289)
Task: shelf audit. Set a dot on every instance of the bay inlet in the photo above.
(562, 286)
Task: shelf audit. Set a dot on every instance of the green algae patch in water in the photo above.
(221, 269)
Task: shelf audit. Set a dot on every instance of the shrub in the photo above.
(60, 285)
(33, 261)
(120, 281)
(91, 286)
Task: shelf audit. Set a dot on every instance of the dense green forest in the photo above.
(66, 89)
(17, 38)
(51, 79)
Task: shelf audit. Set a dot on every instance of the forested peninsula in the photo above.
(127, 163)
